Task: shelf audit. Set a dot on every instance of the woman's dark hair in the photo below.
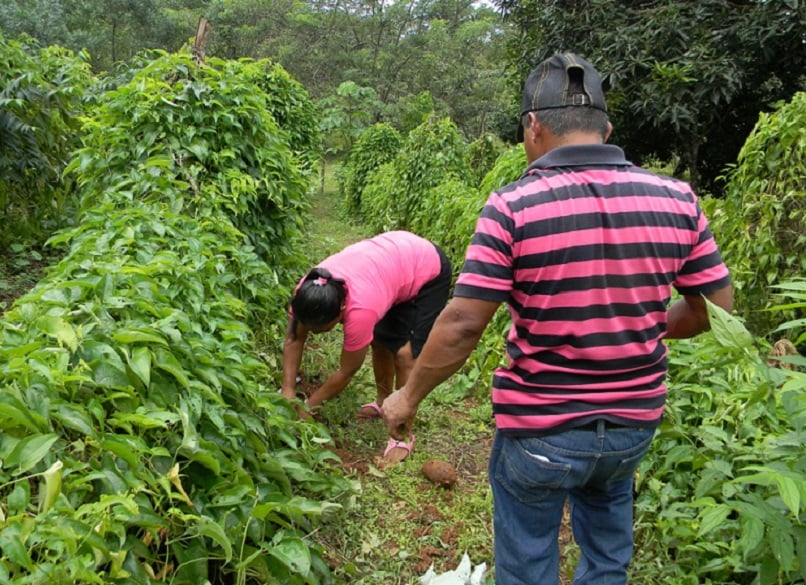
(319, 298)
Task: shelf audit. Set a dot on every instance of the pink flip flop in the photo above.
(393, 443)
(378, 411)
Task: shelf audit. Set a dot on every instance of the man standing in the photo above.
(585, 249)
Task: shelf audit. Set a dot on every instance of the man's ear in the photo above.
(609, 131)
(534, 125)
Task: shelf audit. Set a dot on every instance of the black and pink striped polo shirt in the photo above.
(585, 248)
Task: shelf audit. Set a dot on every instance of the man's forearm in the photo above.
(686, 320)
(449, 345)
(688, 316)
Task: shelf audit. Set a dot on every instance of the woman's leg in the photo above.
(404, 363)
(383, 366)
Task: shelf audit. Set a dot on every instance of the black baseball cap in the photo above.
(549, 86)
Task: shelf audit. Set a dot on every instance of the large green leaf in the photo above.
(28, 452)
(60, 329)
(293, 553)
(728, 330)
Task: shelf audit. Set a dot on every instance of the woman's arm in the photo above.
(351, 362)
(293, 345)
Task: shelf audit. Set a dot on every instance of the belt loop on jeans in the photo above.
(600, 428)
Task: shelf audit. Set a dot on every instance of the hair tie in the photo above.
(320, 281)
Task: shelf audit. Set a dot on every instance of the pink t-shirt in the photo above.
(379, 272)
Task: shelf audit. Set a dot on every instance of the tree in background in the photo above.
(687, 77)
(250, 28)
(412, 110)
(109, 30)
(448, 48)
(346, 115)
(451, 49)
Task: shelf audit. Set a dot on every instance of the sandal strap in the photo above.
(393, 443)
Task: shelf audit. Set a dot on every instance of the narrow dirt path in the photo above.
(402, 524)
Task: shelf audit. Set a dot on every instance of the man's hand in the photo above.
(398, 415)
(454, 335)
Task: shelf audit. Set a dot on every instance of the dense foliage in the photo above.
(759, 224)
(722, 494)
(42, 96)
(290, 106)
(209, 131)
(450, 49)
(431, 154)
(140, 442)
(111, 31)
(140, 438)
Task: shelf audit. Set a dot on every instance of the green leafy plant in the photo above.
(433, 153)
(142, 439)
(508, 167)
(721, 493)
(794, 291)
(377, 145)
(759, 225)
(289, 104)
(484, 153)
(346, 114)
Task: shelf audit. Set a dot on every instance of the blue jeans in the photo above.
(531, 479)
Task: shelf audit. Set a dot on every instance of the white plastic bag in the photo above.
(462, 575)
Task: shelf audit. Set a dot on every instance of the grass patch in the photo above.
(401, 523)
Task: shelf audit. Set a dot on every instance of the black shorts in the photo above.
(412, 321)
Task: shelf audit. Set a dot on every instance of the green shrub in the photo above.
(213, 128)
(509, 166)
(376, 200)
(141, 439)
(433, 153)
(377, 145)
(759, 225)
(42, 96)
(721, 492)
(447, 215)
(130, 367)
(290, 105)
(483, 154)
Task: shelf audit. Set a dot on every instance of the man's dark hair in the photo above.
(319, 299)
(564, 120)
